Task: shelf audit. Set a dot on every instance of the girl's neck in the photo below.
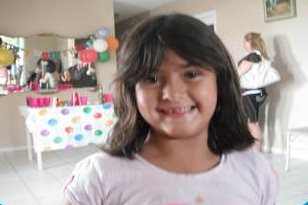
(180, 155)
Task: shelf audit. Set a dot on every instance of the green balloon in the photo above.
(103, 56)
(90, 41)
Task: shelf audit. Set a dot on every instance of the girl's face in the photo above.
(247, 46)
(179, 100)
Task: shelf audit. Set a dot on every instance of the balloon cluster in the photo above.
(6, 57)
(99, 47)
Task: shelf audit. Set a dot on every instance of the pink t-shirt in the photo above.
(241, 178)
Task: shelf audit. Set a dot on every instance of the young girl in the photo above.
(181, 135)
(51, 77)
(253, 98)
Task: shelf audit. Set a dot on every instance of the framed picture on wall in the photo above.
(279, 9)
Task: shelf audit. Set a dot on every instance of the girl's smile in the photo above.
(176, 111)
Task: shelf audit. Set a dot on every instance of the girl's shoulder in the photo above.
(249, 157)
(256, 170)
(253, 163)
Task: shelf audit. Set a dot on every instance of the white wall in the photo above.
(287, 45)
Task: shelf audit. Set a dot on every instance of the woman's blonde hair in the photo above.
(256, 42)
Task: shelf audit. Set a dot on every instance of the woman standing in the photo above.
(253, 97)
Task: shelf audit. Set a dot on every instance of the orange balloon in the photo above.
(113, 43)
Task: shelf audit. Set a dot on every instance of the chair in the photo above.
(292, 134)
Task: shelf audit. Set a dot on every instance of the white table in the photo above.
(55, 128)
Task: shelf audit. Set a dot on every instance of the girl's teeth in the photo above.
(178, 110)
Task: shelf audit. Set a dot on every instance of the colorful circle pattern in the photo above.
(68, 127)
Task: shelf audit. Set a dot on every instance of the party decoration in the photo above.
(103, 56)
(113, 43)
(91, 41)
(89, 55)
(100, 45)
(94, 48)
(56, 55)
(103, 32)
(6, 57)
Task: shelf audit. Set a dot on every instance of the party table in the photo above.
(55, 128)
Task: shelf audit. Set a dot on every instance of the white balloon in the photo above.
(100, 45)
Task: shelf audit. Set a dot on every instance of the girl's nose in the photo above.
(173, 90)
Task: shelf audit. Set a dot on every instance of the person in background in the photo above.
(39, 70)
(66, 76)
(4, 75)
(181, 136)
(253, 98)
(31, 78)
(51, 76)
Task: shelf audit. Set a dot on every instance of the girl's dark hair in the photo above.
(141, 54)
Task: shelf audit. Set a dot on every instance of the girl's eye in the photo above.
(192, 74)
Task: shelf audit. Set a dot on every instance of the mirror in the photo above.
(46, 62)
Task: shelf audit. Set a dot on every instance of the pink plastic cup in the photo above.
(83, 100)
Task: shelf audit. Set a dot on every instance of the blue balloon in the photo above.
(102, 32)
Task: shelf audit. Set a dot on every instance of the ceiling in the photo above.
(125, 9)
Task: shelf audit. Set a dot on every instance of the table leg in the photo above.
(39, 160)
(287, 165)
(29, 144)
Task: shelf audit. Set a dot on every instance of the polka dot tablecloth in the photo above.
(68, 127)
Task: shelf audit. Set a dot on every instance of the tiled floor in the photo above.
(21, 183)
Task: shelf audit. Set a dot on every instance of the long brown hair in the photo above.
(141, 54)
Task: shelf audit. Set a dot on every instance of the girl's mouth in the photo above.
(176, 111)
